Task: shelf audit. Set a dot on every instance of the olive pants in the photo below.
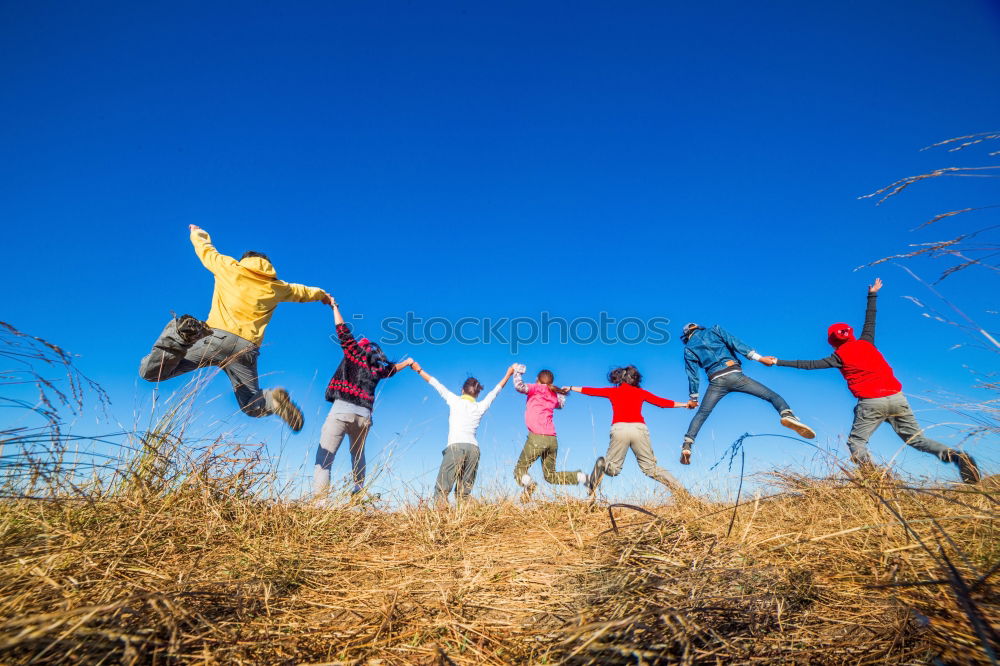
(545, 447)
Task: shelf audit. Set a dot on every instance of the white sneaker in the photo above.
(528, 483)
(581, 478)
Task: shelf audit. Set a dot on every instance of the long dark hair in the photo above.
(628, 374)
(375, 356)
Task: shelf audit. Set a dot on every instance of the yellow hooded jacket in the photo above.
(246, 291)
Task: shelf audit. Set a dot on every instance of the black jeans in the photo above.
(720, 386)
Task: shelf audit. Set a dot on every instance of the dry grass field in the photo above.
(174, 551)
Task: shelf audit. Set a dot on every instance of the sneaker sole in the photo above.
(287, 410)
(596, 475)
(800, 428)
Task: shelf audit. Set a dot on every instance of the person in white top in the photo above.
(461, 456)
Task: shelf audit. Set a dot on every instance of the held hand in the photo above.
(691, 404)
(194, 228)
(327, 299)
(873, 289)
(415, 366)
(769, 360)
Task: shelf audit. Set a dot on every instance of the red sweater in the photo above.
(626, 401)
(867, 373)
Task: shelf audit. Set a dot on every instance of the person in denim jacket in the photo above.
(716, 351)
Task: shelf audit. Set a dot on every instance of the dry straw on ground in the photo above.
(196, 568)
(178, 551)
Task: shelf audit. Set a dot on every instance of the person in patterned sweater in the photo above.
(880, 395)
(352, 392)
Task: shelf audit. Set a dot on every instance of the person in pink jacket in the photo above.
(543, 399)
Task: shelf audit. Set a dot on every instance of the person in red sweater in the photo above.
(880, 395)
(628, 428)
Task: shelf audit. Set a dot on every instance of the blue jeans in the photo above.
(720, 386)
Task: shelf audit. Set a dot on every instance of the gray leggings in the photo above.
(338, 424)
(236, 356)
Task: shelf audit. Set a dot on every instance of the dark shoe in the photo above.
(190, 330)
(967, 468)
(596, 475)
(789, 421)
(286, 409)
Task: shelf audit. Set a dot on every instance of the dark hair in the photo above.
(626, 375)
(251, 253)
(472, 387)
(375, 355)
(546, 377)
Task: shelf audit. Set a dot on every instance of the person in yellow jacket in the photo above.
(246, 294)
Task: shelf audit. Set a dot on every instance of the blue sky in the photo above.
(694, 162)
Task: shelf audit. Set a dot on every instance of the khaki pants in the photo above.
(635, 436)
(545, 447)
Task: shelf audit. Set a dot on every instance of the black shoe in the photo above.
(967, 468)
(596, 475)
(286, 409)
(190, 330)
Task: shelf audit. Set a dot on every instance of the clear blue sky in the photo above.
(695, 161)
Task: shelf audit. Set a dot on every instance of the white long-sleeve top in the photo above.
(463, 421)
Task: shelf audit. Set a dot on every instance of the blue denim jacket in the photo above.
(713, 349)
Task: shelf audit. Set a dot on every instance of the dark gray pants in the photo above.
(236, 356)
(458, 470)
(870, 413)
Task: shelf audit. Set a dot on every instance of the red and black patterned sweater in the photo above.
(356, 378)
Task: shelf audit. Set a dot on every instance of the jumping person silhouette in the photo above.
(245, 296)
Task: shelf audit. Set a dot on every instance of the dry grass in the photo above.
(198, 569)
(176, 551)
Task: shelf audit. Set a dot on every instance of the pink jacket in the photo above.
(542, 401)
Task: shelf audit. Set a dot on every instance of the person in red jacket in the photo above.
(880, 395)
(628, 429)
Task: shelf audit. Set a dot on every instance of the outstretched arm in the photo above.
(736, 344)
(209, 256)
(831, 361)
(656, 400)
(300, 293)
(868, 332)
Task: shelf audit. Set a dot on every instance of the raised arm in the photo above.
(491, 396)
(442, 391)
(209, 256)
(868, 332)
(519, 384)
